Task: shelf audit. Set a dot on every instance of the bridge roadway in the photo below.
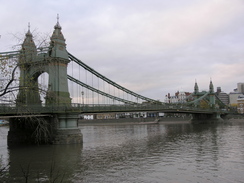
(24, 111)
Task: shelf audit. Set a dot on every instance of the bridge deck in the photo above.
(6, 110)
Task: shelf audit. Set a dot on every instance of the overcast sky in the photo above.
(152, 47)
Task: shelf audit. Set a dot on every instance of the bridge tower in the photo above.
(62, 125)
(32, 65)
(196, 93)
(211, 95)
(201, 117)
(28, 86)
(57, 68)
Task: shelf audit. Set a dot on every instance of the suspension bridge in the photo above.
(44, 89)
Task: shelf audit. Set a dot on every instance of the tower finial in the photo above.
(28, 32)
(211, 87)
(57, 26)
(57, 18)
(196, 89)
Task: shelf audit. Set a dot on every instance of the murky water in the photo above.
(154, 153)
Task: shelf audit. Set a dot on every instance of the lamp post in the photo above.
(82, 93)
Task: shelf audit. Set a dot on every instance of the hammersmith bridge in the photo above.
(47, 88)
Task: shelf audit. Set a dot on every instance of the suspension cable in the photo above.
(98, 91)
(72, 58)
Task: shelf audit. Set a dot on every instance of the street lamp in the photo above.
(82, 93)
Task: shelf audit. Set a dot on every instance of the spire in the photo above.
(28, 36)
(57, 26)
(28, 47)
(57, 44)
(196, 89)
(28, 43)
(28, 32)
(57, 33)
(211, 87)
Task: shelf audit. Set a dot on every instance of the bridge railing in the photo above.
(6, 109)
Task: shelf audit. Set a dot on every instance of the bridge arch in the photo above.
(43, 79)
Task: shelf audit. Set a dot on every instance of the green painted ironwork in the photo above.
(9, 110)
(73, 58)
(99, 91)
(54, 60)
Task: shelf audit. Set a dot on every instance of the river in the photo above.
(139, 153)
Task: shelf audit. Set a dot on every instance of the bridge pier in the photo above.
(206, 118)
(67, 131)
(52, 129)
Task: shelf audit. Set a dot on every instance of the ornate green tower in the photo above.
(58, 92)
(64, 126)
(32, 65)
(196, 92)
(28, 86)
(196, 89)
(211, 95)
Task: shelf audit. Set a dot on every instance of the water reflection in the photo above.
(41, 160)
(142, 153)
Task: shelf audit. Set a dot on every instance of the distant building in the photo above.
(240, 88)
(235, 96)
(179, 96)
(240, 104)
(224, 97)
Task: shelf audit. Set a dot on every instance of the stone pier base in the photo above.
(67, 131)
(59, 129)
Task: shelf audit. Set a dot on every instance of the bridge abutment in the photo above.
(67, 131)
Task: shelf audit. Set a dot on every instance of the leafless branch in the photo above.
(10, 81)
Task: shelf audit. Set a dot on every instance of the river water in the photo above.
(138, 153)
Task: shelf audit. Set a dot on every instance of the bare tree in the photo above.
(6, 90)
(9, 86)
